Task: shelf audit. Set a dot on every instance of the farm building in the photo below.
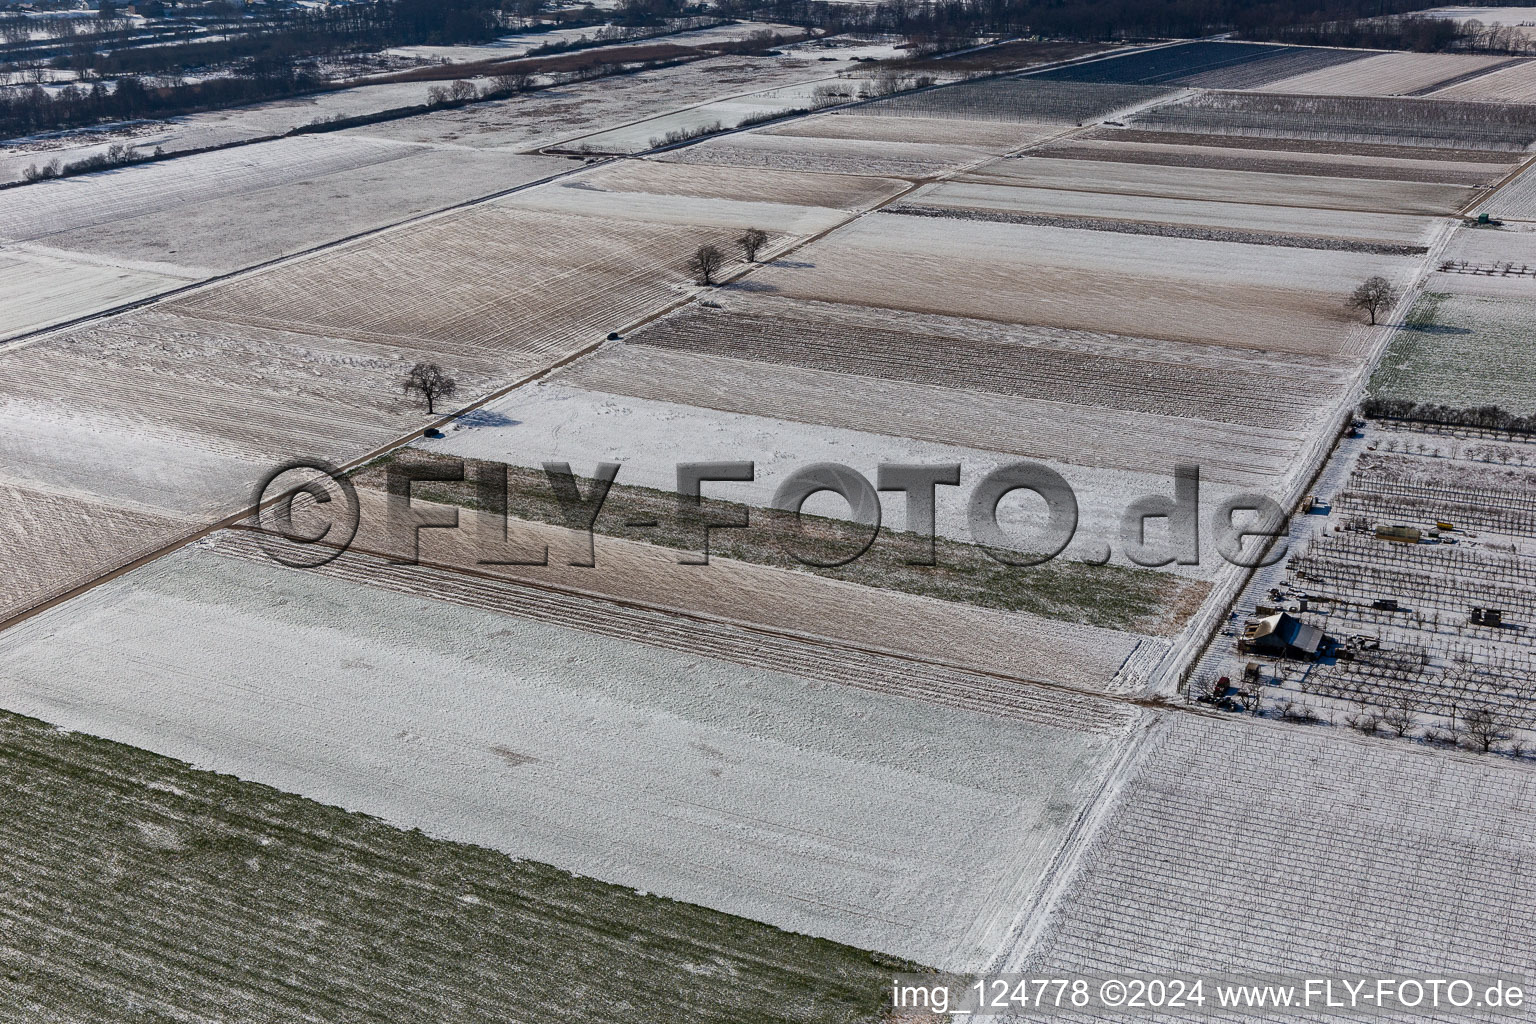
(1281, 636)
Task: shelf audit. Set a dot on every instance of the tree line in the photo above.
(268, 55)
(35, 109)
(1484, 417)
(291, 34)
(1071, 19)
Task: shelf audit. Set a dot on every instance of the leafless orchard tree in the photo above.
(1484, 728)
(752, 242)
(1293, 710)
(1365, 718)
(1251, 697)
(1401, 716)
(1456, 685)
(429, 380)
(1373, 296)
(705, 263)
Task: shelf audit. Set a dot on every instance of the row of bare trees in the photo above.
(708, 260)
(1475, 726)
(1471, 723)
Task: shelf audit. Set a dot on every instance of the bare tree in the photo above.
(508, 84)
(430, 380)
(1365, 718)
(705, 263)
(1401, 715)
(1373, 296)
(1456, 686)
(459, 92)
(1293, 710)
(1484, 728)
(1251, 697)
(751, 242)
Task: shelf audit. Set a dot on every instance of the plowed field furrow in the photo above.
(965, 636)
(1109, 149)
(830, 663)
(1355, 871)
(839, 191)
(50, 207)
(1005, 424)
(50, 543)
(490, 278)
(814, 337)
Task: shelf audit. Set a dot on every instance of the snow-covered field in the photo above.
(839, 191)
(215, 212)
(1021, 426)
(892, 824)
(729, 216)
(784, 601)
(526, 283)
(1181, 289)
(213, 128)
(1499, 264)
(1178, 259)
(836, 155)
(990, 358)
(1387, 74)
(997, 137)
(165, 423)
(1291, 160)
(1226, 186)
(1274, 851)
(39, 288)
(1516, 200)
(727, 113)
(568, 113)
(1292, 220)
(1515, 84)
(523, 122)
(1468, 351)
(560, 422)
(49, 207)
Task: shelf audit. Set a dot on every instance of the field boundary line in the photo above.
(1034, 918)
(250, 510)
(778, 632)
(1493, 190)
(587, 163)
(403, 440)
(1170, 675)
(293, 257)
(1028, 69)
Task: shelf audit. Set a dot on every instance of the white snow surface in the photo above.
(878, 821)
(555, 422)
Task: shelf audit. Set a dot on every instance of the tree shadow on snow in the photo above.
(1436, 329)
(485, 418)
